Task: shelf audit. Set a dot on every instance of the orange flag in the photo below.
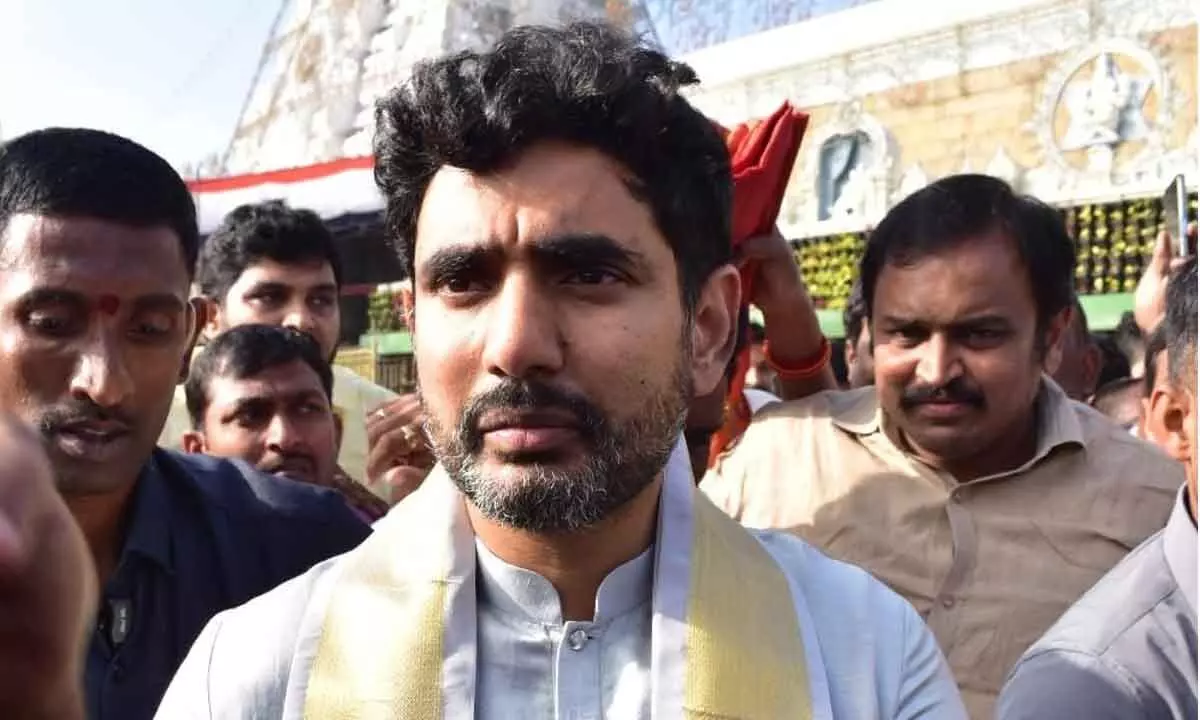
(762, 153)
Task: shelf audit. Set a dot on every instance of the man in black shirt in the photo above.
(98, 240)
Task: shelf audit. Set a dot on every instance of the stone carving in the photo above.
(1107, 108)
(689, 25)
(1105, 91)
(328, 62)
(312, 110)
(1004, 167)
(859, 193)
(1038, 31)
(914, 179)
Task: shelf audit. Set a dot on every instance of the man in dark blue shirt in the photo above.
(98, 240)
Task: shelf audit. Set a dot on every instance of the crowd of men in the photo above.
(202, 517)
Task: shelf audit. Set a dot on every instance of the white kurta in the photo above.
(869, 656)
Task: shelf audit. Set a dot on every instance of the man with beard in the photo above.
(965, 479)
(271, 264)
(565, 215)
(262, 394)
(97, 240)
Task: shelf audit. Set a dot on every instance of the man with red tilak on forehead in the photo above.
(98, 238)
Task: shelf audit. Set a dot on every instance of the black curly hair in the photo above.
(252, 233)
(587, 84)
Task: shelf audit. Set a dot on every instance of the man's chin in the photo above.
(509, 472)
(943, 441)
(78, 477)
(294, 476)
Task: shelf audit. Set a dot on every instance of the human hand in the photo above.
(48, 590)
(1150, 297)
(400, 456)
(777, 284)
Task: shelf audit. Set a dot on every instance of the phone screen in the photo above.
(1175, 215)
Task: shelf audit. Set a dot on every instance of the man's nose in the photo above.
(939, 362)
(300, 317)
(102, 373)
(283, 435)
(523, 338)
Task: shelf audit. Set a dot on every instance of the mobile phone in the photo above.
(1174, 204)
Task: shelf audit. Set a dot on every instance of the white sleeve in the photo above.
(188, 697)
(927, 689)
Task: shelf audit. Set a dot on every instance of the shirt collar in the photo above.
(1179, 546)
(858, 411)
(149, 533)
(523, 593)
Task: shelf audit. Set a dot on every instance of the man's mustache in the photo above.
(955, 391)
(279, 462)
(528, 395)
(79, 412)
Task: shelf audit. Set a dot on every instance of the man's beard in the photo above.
(619, 461)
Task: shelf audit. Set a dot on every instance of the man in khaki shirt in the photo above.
(965, 479)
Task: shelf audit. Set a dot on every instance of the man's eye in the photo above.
(907, 337)
(593, 277)
(251, 418)
(269, 298)
(985, 337)
(312, 408)
(153, 327)
(50, 323)
(462, 285)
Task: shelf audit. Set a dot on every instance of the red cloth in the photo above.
(763, 153)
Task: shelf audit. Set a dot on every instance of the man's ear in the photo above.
(849, 351)
(1166, 422)
(339, 427)
(714, 328)
(193, 442)
(406, 305)
(214, 320)
(1055, 336)
(201, 311)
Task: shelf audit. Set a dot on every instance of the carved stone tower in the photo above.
(327, 62)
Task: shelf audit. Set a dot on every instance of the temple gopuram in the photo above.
(1088, 104)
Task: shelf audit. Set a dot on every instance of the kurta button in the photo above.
(577, 639)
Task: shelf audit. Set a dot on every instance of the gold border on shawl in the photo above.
(381, 648)
(745, 652)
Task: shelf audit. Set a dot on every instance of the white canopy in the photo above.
(330, 189)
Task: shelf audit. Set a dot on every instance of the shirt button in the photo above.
(118, 672)
(948, 602)
(577, 639)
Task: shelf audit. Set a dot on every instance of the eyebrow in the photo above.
(970, 321)
(245, 401)
(165, 302)
(280, 285)
(574, 250)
